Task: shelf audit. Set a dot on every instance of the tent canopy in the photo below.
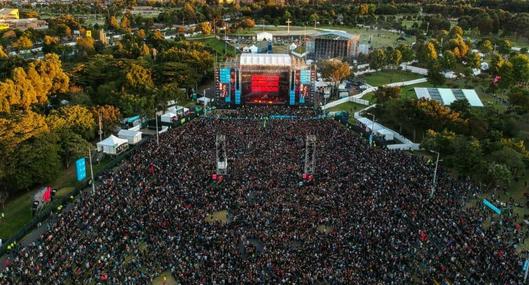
(112, 141)
(112, 145)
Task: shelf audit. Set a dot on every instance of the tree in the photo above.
(35, 161)
(248, 23)
(23, 43)
(3, 54)
(396, 57)
(124, 25)
(474, 60)
(458, 46)
(504, 46)
(435, 74)
(113, 23)
(110, 117)
(407, 53)
(461, 106)
(428, 53)
(384, 94)
(520, 68)
(314, 18)
(498, 175)
(377, 59)
(486, 46)
(335, 70)
(363, 9)
(189, 11)
(71, 146)
(449, 59)
(77, 118)
(50, 44)
(205, 28)
(456, 31)
(85, 46)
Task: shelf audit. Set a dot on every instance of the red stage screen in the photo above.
(265, 83)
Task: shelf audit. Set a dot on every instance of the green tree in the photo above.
(474, 60)
(396, 57)
(36, 161)
(377, 59)
(498, 175)
(71, 146)
(449, 59)
(486, 46)
(314, 18)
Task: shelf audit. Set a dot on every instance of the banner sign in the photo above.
(491, 206)
(237, 97)
(305, 76)
(292, 98)
(80, 169)
(225, 75)
(526, 265)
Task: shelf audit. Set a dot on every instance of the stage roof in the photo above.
(265, 59)
(446, 96)
(336, 35)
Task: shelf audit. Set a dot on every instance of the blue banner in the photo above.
(224, 75)
(80, 169)
(491, 206)
(526, 265)
(292, 98)
(305, 76)
(237, 97)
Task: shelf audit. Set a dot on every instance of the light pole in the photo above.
(434, 182)
(91, 170)
(157, 130)
(372, 129)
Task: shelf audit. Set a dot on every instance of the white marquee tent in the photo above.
(133, 137)
(112, 145)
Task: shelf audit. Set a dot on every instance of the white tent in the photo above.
(112, 145)
(203, 100)
(264, 36)
(133, 137)
(168, 117)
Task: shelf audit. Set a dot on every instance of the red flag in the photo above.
(47, 194)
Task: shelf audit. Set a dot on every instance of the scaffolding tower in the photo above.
(221, 155)
(310, 155)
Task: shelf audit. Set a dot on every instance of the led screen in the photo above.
(265, 83)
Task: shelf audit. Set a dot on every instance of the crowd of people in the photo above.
(367, 217)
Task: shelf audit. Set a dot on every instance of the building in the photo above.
(446, 96)
(24, 24)
(9, 14)
(333, 44)
(252, 78)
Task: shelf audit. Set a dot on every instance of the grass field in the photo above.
(18, 210)
(220, 47)
(379, 38)
(389, 76)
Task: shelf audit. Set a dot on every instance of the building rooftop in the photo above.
(446, 96)
(273, 59)
(335, 35)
